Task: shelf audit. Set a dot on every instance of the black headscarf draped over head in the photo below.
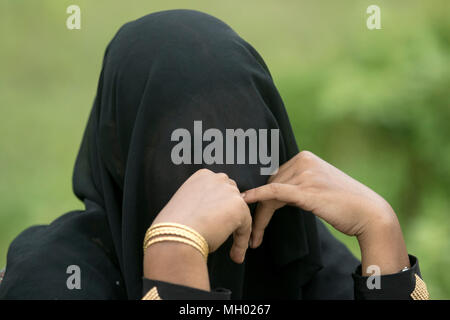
(163, 72)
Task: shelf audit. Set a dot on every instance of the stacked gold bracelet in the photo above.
(176, 232)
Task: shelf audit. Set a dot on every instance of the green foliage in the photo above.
(376, 104)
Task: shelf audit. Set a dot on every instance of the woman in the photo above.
(161, 73)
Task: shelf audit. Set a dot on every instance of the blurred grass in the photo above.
(374, 103)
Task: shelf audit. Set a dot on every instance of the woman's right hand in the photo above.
(211, 204)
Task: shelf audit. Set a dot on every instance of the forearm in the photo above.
(176, 263)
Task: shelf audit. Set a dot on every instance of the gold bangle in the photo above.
(176, 232)
(176, 239)
(161, 231)
(177, 226)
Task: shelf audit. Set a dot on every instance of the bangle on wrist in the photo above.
(178, 233)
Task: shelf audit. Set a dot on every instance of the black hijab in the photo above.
(160, 73)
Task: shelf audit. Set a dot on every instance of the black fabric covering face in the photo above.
(160, 73)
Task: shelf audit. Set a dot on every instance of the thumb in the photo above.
(263, 214)
(241, 237)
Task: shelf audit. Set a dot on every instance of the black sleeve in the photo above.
(405, 285)
(68, 259)
(160, 290)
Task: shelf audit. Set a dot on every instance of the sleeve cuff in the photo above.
(160, 290)
(405, 285)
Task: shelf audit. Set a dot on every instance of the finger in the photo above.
(222, 175)
(233, 183)
(287, 193)
(263, 214)
(241, 237)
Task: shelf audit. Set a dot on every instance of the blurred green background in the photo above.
(376, 104)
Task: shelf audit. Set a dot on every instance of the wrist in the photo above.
(382, 244)
(379, 217)
(379, 232)
(176, 263)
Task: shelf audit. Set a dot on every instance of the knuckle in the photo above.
(241, 205)
(238, 200)
(222, 175)
(235, 189)
(204, 171)
(274, 188)
(300, 188)
(305, 155)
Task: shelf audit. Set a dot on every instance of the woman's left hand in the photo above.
(310, 183)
